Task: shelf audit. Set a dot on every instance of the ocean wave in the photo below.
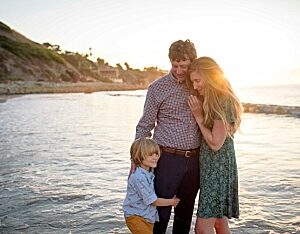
(272, 109)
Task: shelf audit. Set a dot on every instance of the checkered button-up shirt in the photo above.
(166, 111)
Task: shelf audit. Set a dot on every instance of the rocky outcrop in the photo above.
(272, 109)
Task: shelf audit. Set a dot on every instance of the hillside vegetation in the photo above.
(23, 60)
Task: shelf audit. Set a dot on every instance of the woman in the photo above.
(218, 112)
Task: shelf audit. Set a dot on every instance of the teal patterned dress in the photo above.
(218, 196)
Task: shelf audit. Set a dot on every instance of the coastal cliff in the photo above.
(29, 67)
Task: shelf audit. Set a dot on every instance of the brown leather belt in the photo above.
(184, 153)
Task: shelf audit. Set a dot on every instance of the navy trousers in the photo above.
(176, 175)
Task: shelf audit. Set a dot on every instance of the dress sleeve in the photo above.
(229, 112)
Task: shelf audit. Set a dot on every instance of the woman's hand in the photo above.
(196, 106)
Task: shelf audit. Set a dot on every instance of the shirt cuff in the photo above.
(152, 198)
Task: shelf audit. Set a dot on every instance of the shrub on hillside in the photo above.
(29, 51)
(4, 27)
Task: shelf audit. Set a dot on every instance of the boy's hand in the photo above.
(176, 201)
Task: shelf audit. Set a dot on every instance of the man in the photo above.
(167, 112)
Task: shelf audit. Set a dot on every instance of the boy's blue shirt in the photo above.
(140, 195)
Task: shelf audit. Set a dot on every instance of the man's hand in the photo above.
(132, 169)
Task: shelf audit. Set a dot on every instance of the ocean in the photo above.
(65, 160)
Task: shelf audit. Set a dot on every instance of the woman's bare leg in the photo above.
(222, 226)
(205, 226)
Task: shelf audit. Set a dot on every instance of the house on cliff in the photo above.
(110, 73)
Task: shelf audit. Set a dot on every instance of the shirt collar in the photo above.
(150, 174)
(173, 79)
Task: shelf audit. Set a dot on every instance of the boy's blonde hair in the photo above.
(141, 148)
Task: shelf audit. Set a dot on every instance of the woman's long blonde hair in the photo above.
(217, 90)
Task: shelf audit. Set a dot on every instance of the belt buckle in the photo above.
(186, 153)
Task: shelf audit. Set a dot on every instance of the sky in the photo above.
(256, 42)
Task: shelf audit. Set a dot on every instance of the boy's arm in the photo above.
(166, 202)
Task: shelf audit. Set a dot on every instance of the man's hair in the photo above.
(182, 50)
(141, 148)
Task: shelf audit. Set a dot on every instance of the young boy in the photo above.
(141, 201)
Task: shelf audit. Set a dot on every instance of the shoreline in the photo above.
(32, 87)
(20, 88)
(17, 88)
